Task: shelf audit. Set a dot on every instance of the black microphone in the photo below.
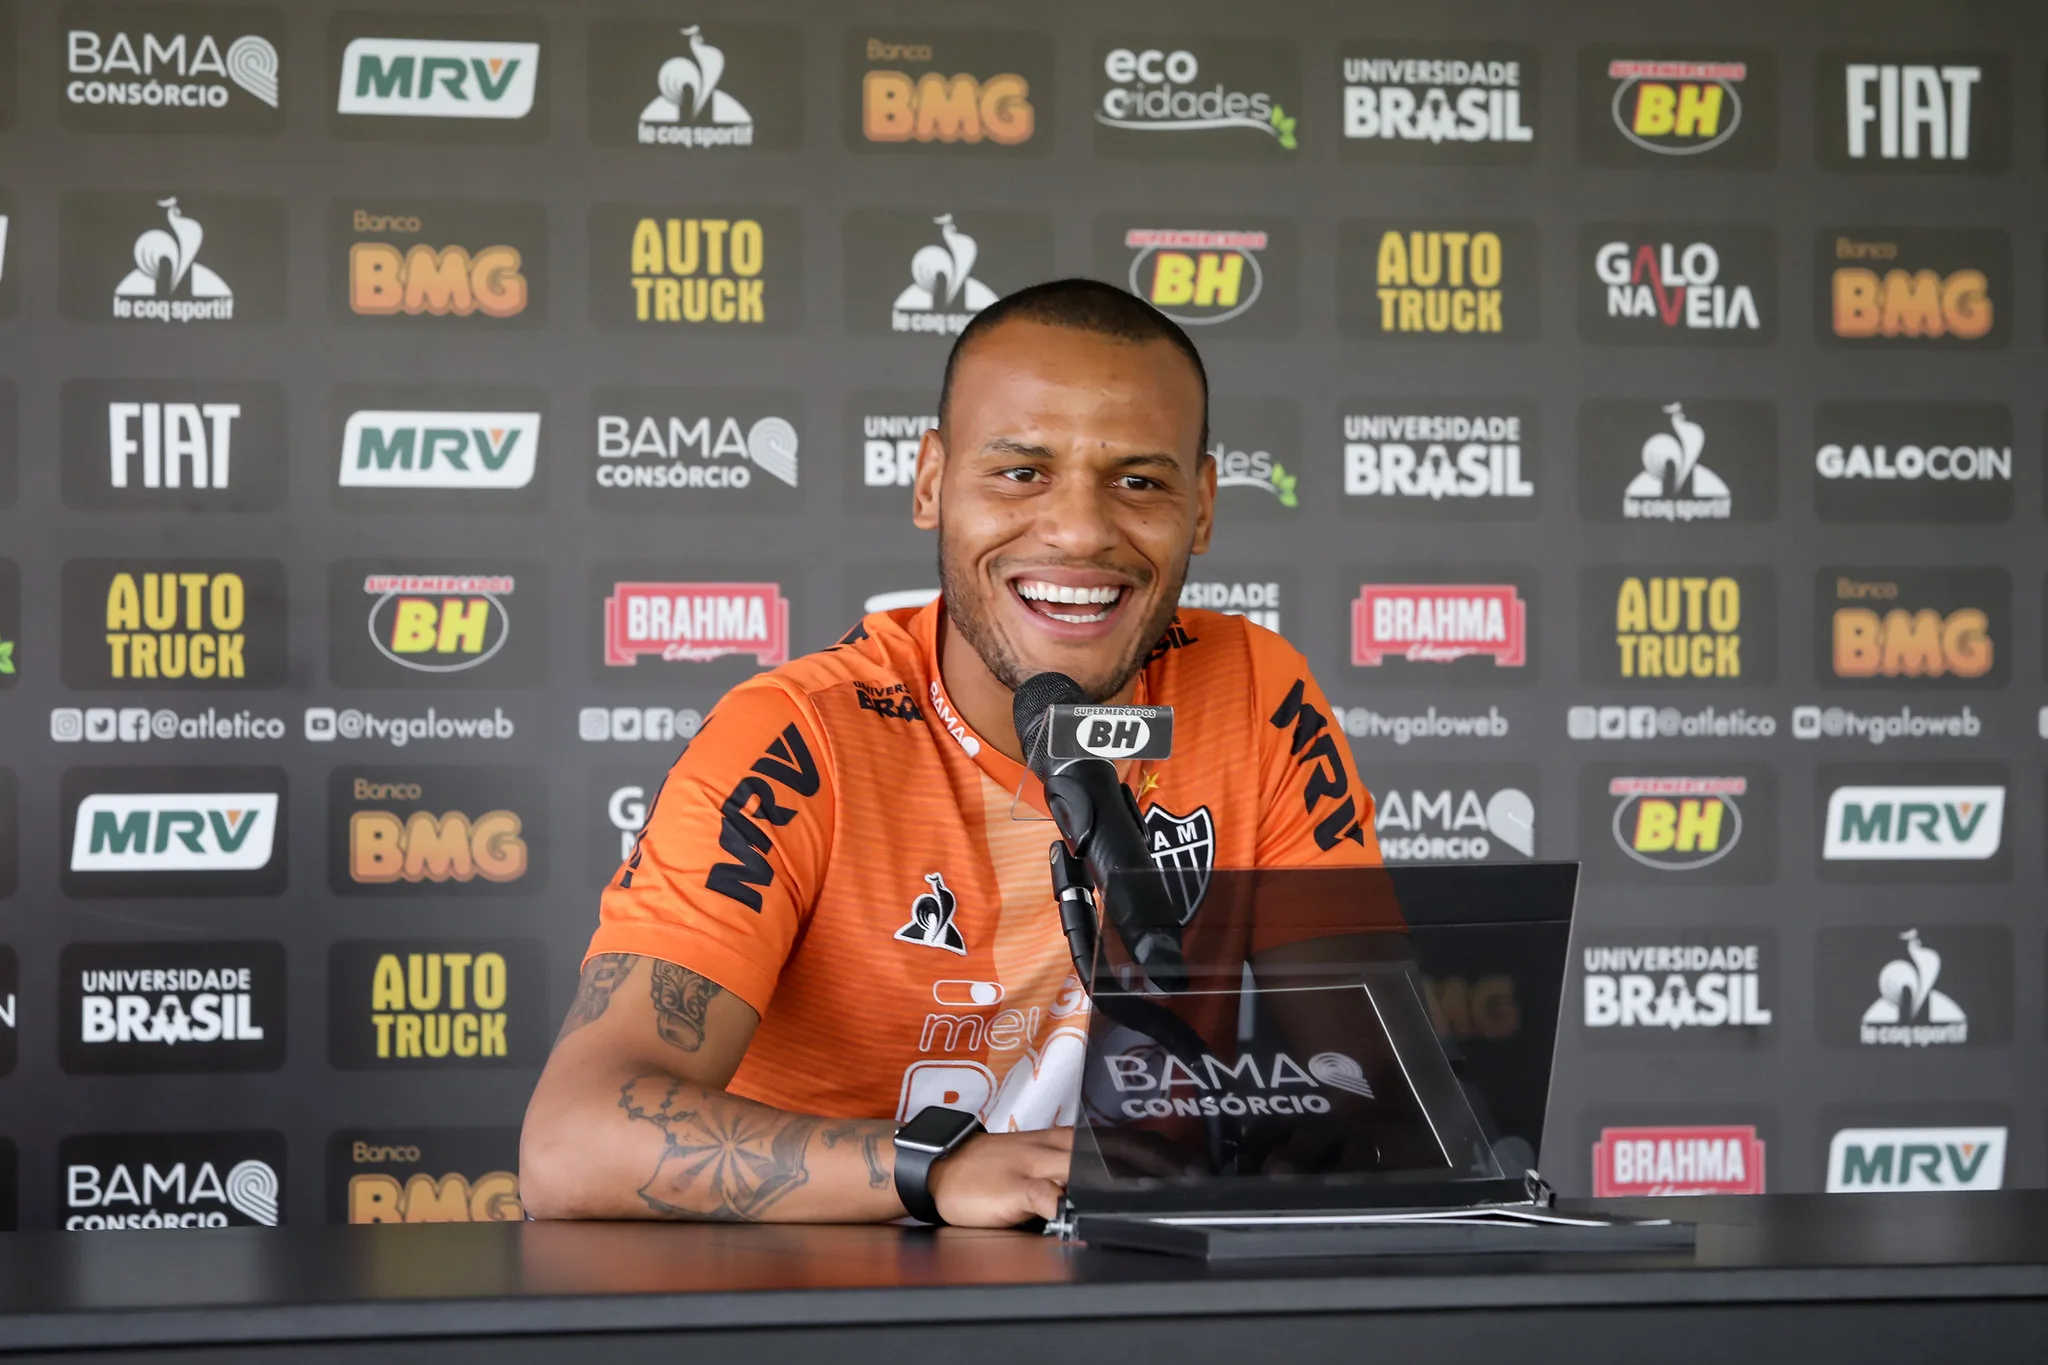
(1098, 818)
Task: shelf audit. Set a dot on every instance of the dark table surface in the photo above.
(503, 1280)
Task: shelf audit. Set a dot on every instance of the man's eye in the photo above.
(1137, 482)
(1022, 474)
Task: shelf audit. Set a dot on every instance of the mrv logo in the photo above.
(1678, 285)
(1874, 1160)
(1678, 987)
(708, 451)
(1233, 1088)
(1440, 102)
(174, 831)
(439, 450)
(1917, 823)
(172, 1180)
(460, 77)
(1921, 111)
(171, 68)
(134, 1008)
(1442, 463)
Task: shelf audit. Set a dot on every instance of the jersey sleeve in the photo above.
(735, 847)
(1315, 812)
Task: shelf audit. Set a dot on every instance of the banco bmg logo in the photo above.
(173, 68)
(1912, 629)
(959, 91)
(404, 262)
(131, 1181)
(174, 831)
(1888, 287)
(155, 1008)
(424, 1175)
(712, 268)
(173, 625)
(417, 78)
(403, 830)
(436, 1004)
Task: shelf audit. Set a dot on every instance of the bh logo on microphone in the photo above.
(1112, 732)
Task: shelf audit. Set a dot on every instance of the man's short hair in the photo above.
(1082, 306)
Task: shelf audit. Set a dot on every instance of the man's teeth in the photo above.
(1054, 592)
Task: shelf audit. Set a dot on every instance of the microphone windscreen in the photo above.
(1028, 713)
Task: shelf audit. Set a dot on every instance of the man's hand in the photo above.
(997, 1180)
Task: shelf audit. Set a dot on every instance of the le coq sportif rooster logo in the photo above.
(697, 76)
(952, 264)
(167, 265)
(931, 918)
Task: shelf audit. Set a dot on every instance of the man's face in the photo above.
(1068, 488)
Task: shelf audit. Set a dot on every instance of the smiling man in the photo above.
(839, 915)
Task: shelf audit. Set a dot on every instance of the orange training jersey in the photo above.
(840, 851)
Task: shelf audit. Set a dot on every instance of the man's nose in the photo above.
(1078, 519)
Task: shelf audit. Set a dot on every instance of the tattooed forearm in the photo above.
(871, 1137)
(602, 975)
(681, 998)
(723, 1159)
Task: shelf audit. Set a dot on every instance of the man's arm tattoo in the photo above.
(870, 1136)
(602, 975)
(723, 1159)
(681, 998)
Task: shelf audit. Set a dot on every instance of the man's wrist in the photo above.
(932, 1134)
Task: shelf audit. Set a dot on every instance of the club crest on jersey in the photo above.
(931, 918)
(1184, 848)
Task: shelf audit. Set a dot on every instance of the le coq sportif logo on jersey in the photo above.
(437, 623)
(1913, 111)
(1913, 462)
(151, 1008)
(437, 1004)
(1161, 95)
(1452, 103)
(172, 68)
(931, 91)
(424, 830)
(407, 77)
(134, 1181)
(174, 831)
(171, 258)
(173, 445)
(695, 89)
(704, 451)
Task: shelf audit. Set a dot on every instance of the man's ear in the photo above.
(1205, 502)
(931, 469)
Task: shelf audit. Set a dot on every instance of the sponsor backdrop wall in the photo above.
(412, 420)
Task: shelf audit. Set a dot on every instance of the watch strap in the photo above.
(913, 1183)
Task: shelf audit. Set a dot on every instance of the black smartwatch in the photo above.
(933, 1133)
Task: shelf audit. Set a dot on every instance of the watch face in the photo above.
(934, 1128)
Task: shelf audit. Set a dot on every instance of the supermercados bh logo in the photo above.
(424, 1175)
(1883, 461)
(171, 257)
(174, 831)
(928, 272)
(1914, 822)
(151, 1008)
(885, 428)
(1456, 813)
(1913, 111)
(1695, 460)
(1914, 987)
(418, 830)
(450, 448)
(1919, 287)
(439, 78)
(173, 445)
(10, 624)
(399, 262)
(652, 620)
(924, 90)
(1678, 628)
(1424, 281)
(694, 88)
(1924, 1156)
(1668, 827)
(1657, 105)
(1912, 629)
(1678, 285)
(708, 268)
(1474, 460)
(171, 68)
(1678, 1159)
(129, 1181)
(1687, 988)
(696, 451)
(170, 625)
(1169, 95)
(1471, 103)
(1238, 275)
(1257, 446)
(1264, 594)
(437, 1005)
(437, 623)
(1469, 626)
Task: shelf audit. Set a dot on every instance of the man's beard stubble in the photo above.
(962, 613)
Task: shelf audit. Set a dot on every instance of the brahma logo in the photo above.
(1464, 102)
(437, 831)
(171, 69)
(917, 90)
(1921, 111)
(1920, 629)
(1707, 109)
(170, 625)
(173, 831)
(1879, 1160)
(469, 451)
(1204, 96)
(1677, 824)
(695, 622)
(1892, 824)
(153, 1008)
(1916, 287)
(172, 1180)
(1678, 285)
(440, 1005)
(1727, 1159)
(1927, 462)
(447, 259)
(1439, 623)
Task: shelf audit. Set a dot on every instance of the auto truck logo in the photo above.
(1920, 823)
(461, 450)
(174, 832)
(168, 283)
(436, 78)
(695, 622)
(1437, 623)
(1722, 1159)
(1876, 1160)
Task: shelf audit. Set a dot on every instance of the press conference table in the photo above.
(1803, 1278)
